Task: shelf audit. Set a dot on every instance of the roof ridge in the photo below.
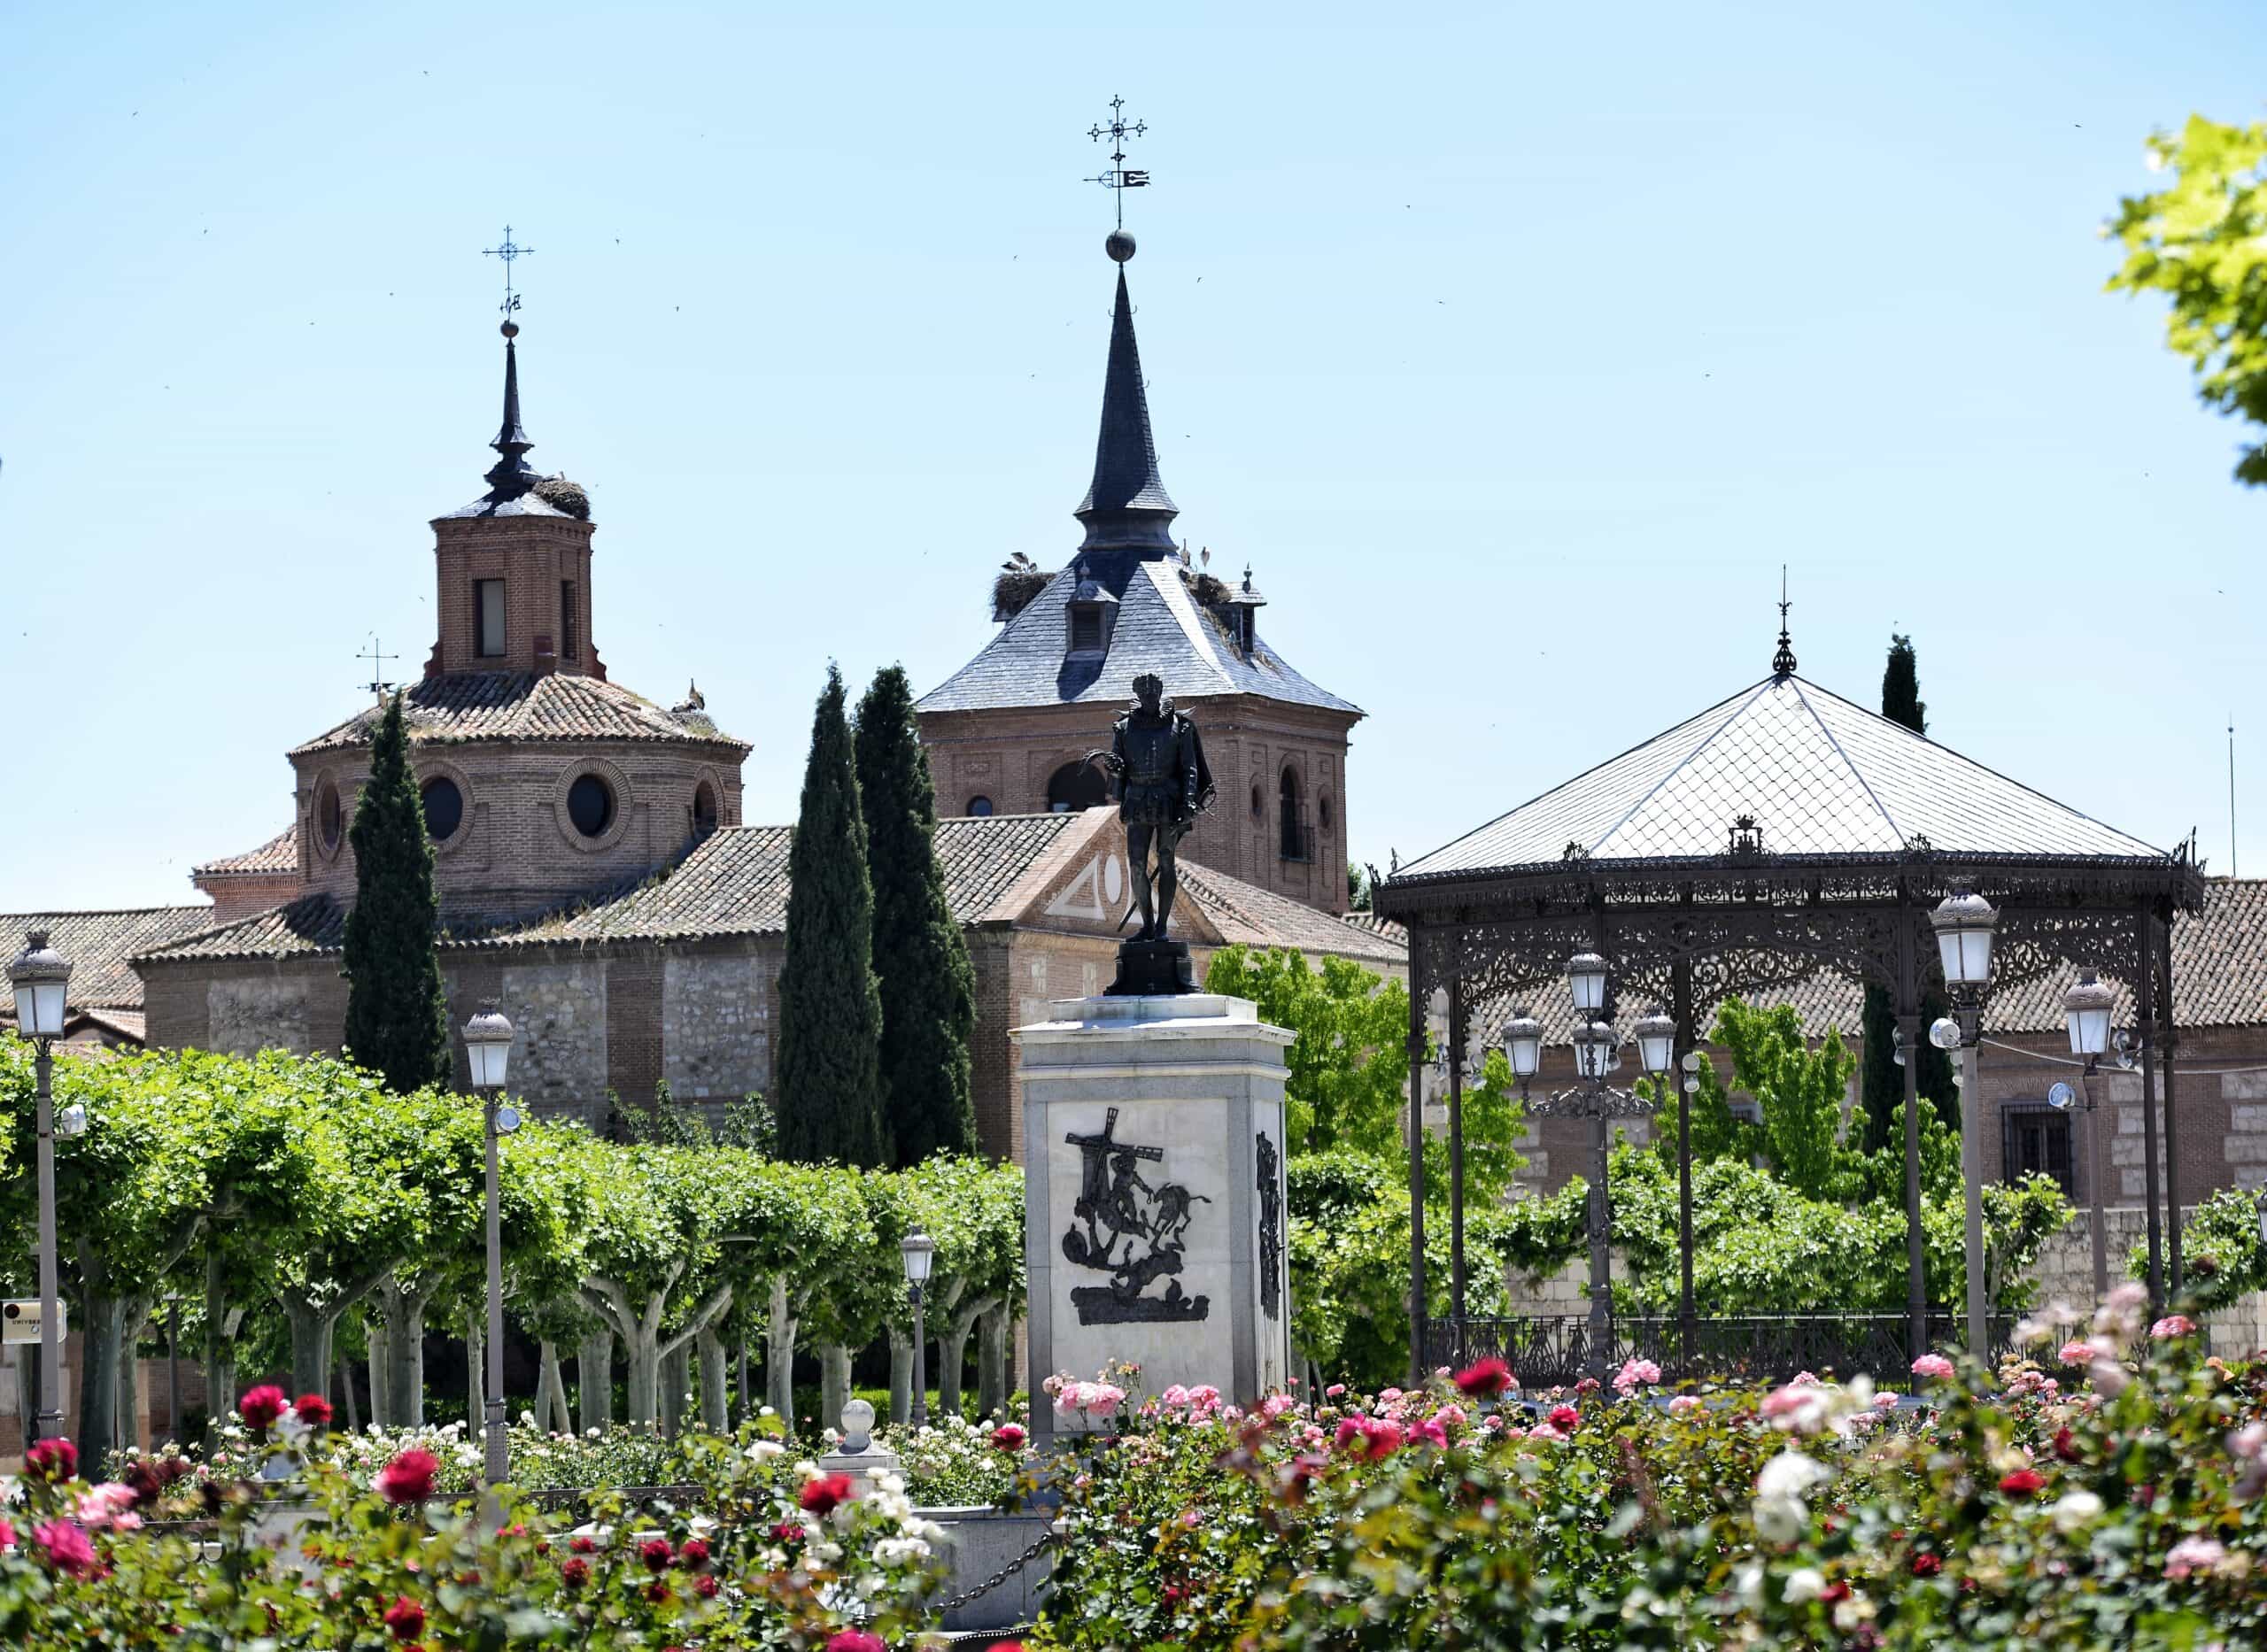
(1678, 766)
(104, 912)
(1849, 762)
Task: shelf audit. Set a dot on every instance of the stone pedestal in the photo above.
(1154, 1195)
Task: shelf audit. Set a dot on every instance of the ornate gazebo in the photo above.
(1781, 833)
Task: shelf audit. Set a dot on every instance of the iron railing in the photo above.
(1552, 1350)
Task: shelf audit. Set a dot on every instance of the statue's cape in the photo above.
(1205, 787)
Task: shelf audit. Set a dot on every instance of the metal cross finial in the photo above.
(507, 252)
(377, 684)
(1120, 178)
(1782, 663)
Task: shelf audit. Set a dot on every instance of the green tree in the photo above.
(928, 986)
(1799, 1089)
(2202, 241)
(397, 1018)
(1349, 1063)
(1881, 1085)
(830, 1006)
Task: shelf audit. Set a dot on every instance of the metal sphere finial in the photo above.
(510, 329)
(1119, 245)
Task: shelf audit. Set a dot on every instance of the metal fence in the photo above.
(1547, 1350)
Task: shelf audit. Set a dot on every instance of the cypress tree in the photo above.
(1881, 1084)
(397, 1017)
(830, 1009)
(928, 986)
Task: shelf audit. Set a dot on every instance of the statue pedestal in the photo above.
(1153, 970)
(1153, 1196)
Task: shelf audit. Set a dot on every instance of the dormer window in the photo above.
(1090, 616)
(1086, 628)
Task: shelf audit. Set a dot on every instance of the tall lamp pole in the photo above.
(41, 980)
(2087, 1008)
(488, 1051)
(919, 1252)
(1965, 924)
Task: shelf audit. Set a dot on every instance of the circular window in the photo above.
(329, 817)
(444, 808)
(704, 809)
(979, 805)
(590, 805)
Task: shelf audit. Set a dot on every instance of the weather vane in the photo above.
(377, 684)
(1782, 663)
(507, 252)
(1120, 178)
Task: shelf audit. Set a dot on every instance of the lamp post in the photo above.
(2086, 1008)
(919, 1252)
(488, 1052)
(1593, 1060)
(41, 980)
(1965, 924)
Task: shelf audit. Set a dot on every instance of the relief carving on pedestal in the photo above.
(1134, 1233)
(1271, 1230)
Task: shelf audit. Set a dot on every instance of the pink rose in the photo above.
(1684, 1405)
(2194, 1554)
(2173, 1326)
(1934, 1365)
(66, 1547)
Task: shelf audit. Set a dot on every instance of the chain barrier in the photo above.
(955, 1603)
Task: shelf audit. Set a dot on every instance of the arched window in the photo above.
(1294, 824)
(704, 811)
(979, 805)
(1076, 786)
(1259, 803)
(1322, 810)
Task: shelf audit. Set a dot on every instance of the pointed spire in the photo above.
(1782, 663)
(512, 475)
(1127, 506)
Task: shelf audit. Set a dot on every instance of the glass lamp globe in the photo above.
(1965, 924)
(1586, 972)
(42, 981)
(1656, 1037)
(488, 1046)
(918, 1251)
(2087, 1008)
(1523, 1043)
(1945, 1033)
(1593, 1049)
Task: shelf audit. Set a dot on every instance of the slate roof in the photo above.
(279, 853)
(98, 944)
(1820, 775)
(1160, 628)
(1247, 914)
(467, 706)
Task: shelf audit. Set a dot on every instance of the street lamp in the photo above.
(919, 1252)
(1965, 924)
(1523, 1044)
(1656, 1036)
(2086, 1008)
(1593, 1050)
(488, 1052)
(41, 981)
(1586, 973)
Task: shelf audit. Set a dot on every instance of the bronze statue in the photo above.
(1161, 782)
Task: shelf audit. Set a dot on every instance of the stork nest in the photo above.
(1209, 589)
(565, 496)
(1013, 590)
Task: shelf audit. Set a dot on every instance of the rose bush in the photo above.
(2027, 1507)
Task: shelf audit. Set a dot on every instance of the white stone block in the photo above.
(1154, 1220)
(2248, 1118)
(2244, 1087)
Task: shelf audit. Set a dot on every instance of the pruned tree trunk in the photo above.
(676, 1374)
(309, 1342)
(133, 1313)
(346, 1393)
(221, 1322)
(548, 1383)
(901, 1377)
(379, 1348)
(743, 1401)
(952, 1350)
(715, 1382)
(992, 1341)
(594, 1375)
(402, 1304)
(779, 1355)
(99, 1342)
(475, 1396)
(833, 1383)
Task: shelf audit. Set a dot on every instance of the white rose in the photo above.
(2076, 1509)
(1805, 1583)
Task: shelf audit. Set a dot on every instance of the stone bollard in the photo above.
(857, 1455)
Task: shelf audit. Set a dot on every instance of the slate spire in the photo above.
(512, 475)
(1127, 506)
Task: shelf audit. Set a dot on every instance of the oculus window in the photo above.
(590, 805)
(444, 808)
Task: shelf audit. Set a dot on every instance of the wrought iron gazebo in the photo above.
(1782, 833)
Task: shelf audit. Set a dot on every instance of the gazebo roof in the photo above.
(1817, 776)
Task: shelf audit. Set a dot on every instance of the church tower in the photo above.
(1008, 732)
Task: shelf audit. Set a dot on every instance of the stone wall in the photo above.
(559, 1043)
(717, 1024)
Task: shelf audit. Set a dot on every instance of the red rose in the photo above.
(822, 1495)
(66, 1546)
(1926, 1565)
(694, 1554)
(314, 1410)
(2065, 1448)
(856, 1640)
(1009, 1436)
(2022, 1482)
(262, 1405)
(1486, 1380)
(788, 1532)
(583, 1545)
(405, 1619)
(705, 1586)
(654, 1552)
(657, 1592)
(55, 1460)
(1834, 1593)
(1565, 1416)
(575, 1572)
(408, 1478)
(143, 1481)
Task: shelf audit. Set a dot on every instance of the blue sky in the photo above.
(1515, 347)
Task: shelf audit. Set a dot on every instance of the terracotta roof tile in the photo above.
(520, 705)
(279, 853)
(98, 945)
(1247, 914)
